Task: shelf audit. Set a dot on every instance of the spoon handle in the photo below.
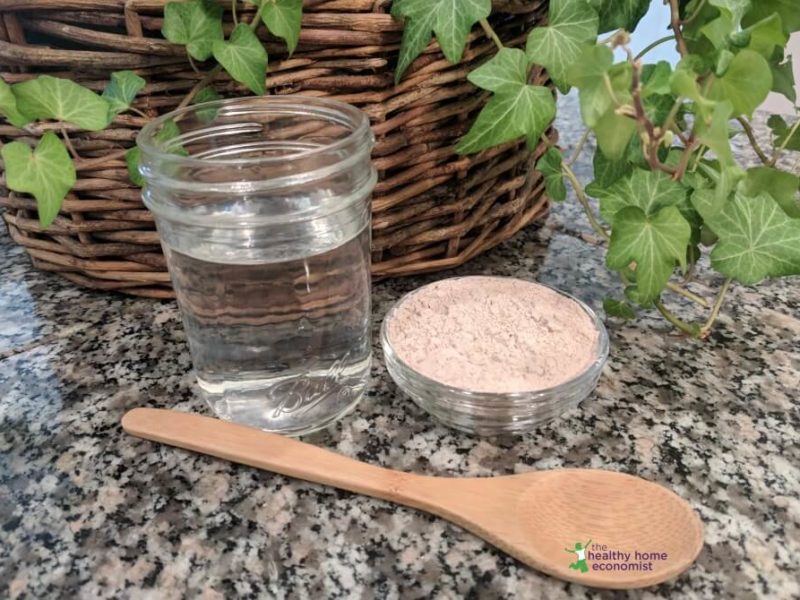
(279, 454)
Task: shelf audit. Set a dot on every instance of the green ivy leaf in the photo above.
(572, 25)
(740, 39)
(588, 74)
(416, 37)
(746, 83)
(450, 20)
(196, 24)
(167, 139)
(207, 94)
(787, 9)
(133, 158)
(654, 243)
(244, 58)
(724, 60)
(709, 204)
(606, 173)
(621, 14)
(549, 166)
(121, 91)
(616, 308)
(716, 134)
(766, 35)
(756, 240)
(649, 191)
(684, 83)
(724, 177)
(47, 173)
(634, 153)
(596, 78)
(733, 9)
(730, 17)
(9, 108)
(517, 110)
(503, 74)
(656, 79)
(49, 97)
(507, 117)
(614, 134)
(781, 130)
(782, 186)
(783, 79)
(283, 18)
(633, 294)
(696, 40)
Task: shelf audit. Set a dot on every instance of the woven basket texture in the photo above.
(432, 209)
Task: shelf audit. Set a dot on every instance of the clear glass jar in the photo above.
(263, 209)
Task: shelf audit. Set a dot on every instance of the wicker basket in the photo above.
(432, 208)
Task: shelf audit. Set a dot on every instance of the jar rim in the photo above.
(324, 108)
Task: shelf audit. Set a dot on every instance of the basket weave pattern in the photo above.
(432, 209)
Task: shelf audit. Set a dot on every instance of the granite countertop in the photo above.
(88, 512)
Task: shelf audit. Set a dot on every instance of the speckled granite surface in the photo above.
(86, 512)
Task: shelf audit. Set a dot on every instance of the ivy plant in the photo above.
(48, 171)
(667, 188)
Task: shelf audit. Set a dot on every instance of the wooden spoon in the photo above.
(538, 518)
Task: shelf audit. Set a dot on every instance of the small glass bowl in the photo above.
(491, 414)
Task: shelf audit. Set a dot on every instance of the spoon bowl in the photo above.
(597, 528)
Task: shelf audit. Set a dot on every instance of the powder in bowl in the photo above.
(493, 335)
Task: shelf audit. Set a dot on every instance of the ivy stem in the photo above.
(653, 137)
(233, 12)
(579, 147)
(698, 157)
(68, 142)
(655, 44)
(706, 329)
(690, 275)
(492, 34)
(685, 157)
(139, 112)
(89, 163)
(584, 200)
(785, 143)
(256, 21)
(673, 287)
(610, 90)
(204, 82)
(669, 122)
(192, 64)
(676, 321)
(748, 130)
(676, 27)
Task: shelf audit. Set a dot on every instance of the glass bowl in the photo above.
(490, 414)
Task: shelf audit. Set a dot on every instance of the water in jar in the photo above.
(279, 344)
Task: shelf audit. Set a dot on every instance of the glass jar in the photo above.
(263, 209)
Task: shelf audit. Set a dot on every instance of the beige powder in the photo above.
(493, 334)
